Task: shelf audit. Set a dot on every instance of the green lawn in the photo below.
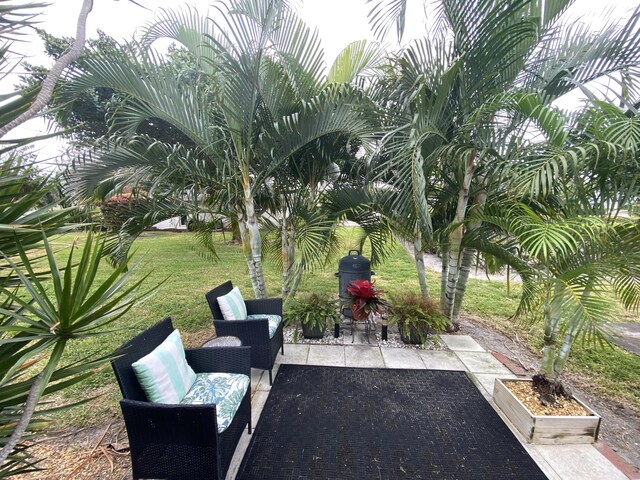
(176, 258)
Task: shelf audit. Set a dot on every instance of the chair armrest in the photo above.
(250, 332)
(169, 424)
(272, 306)
(220, 359)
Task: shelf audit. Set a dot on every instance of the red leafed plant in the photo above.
(363, 299)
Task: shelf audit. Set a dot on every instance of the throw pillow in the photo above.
(232, 305)
(164, 374)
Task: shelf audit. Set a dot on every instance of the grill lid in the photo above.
(354, 263)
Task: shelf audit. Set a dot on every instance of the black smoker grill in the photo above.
(352, 267)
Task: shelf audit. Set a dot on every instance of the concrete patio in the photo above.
(567, 462)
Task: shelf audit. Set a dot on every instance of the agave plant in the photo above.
(39, 317)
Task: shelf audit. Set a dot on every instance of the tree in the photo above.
(46, 89)
(450, 85)
(565, 236)
(85, 119)
(569, 266)
(260, 101)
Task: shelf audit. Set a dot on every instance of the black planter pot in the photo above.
(416, 334)
(315, 332)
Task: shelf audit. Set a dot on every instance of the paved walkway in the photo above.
(567, 462)
(627, 336)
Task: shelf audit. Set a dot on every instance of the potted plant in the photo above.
(363, 299)
(569, 267)
(416, 317)
(314, 312)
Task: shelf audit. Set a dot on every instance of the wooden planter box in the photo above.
(545, 429)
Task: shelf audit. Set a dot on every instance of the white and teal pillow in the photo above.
(164, 374)
(272, 319)
(232, 305)
(226, 390)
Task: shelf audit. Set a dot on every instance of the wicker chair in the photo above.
(179, 441)
(253, 333)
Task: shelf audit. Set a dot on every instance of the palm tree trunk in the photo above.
(569, 338)
(246, 246)
(291, 238)
(455, 239)
(418, 255)
(461, 282)
(235, 230)
(254, 240)
(562, 354)
(285, 248)
(549, 350)
(30, 406)
(46, 90)
(479, 202)
(444, 274)
(296, 281)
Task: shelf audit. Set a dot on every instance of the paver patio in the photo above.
(567, 462)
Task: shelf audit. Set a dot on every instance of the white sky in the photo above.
(339, 22)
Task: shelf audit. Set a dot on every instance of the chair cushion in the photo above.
(164, 374)
(274, 321)
(232, 305)
(225, 390)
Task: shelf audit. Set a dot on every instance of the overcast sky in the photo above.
(339, 22)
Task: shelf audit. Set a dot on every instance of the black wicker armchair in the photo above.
(179, 441)
(253, 333)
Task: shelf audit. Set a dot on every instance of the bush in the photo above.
(313, 310)
(118, 210)
(416, 316)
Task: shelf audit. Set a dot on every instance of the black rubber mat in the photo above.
(363, 423)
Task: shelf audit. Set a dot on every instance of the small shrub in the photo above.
(118, 210)
(416, 316)
(313, 310)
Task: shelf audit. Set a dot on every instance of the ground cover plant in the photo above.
(178, 257)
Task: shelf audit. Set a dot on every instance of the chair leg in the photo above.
(270, 378)
(282, 348)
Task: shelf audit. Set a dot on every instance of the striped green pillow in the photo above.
(164, 374)
(232, 305)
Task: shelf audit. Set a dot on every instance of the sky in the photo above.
(339, 22)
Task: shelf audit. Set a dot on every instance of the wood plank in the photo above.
(545, 429)
(513, 409)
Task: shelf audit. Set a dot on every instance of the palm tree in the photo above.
(565, 236)
(262, 99)
(569, 265)
(478, 51)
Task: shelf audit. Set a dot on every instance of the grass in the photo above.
(176, 260)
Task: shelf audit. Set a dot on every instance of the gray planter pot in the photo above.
(415, 332)
(315, 332)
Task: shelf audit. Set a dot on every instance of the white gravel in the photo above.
(294, 335)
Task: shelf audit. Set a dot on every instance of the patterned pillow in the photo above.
(225, 390)
(274, 321)
(232, 305)
(164, 374)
